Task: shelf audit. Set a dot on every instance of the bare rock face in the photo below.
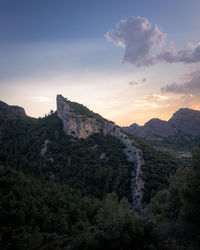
(78, 121)
(75, 122)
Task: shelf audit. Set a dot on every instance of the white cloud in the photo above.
(41, 99)
(151, 101)
(142, 43)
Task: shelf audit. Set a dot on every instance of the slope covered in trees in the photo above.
(59, 192)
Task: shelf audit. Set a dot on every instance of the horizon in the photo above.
(95, 112)
(130, 66)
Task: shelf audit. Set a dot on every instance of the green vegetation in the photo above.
(44, 215)
(177, 143)
(96, 165)
(77, 194)
(175, 211)
(157, 168)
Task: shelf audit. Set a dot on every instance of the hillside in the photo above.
(100, 164)
(81, 190)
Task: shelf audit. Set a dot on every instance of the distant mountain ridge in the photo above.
(8, 112)
(182, 128)
(186, 120)
(11, 110)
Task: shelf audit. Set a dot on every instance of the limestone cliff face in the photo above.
(80, 122)
(75, 123)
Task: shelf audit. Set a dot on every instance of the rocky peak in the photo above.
(152, 128)
(187, 120)
(78, 120)
(132, 128)
(157, 127)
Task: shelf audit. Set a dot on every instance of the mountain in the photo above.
(180, 133)
(10, 111)
(74, 180)
(187, 121)
(154, 127)
(75, 136)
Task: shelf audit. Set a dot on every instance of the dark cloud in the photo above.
(144, 79)
(142, 44)
(132, 83)
(190, 87)
(170, 55)
(138, 38)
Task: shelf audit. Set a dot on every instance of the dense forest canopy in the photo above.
(60, 192)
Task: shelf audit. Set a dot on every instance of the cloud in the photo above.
(190, 87)
(143, 44)
(171, 55)
(154, 98)
(144, 79)
(138, 38)
(131, 83)
(152, 101)
(41, 99)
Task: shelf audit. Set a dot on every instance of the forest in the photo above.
(76, 194)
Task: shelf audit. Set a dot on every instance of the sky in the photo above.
(128, 60)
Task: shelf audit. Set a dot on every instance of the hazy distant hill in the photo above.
(10, 111)
(181, 132)
(186, 121)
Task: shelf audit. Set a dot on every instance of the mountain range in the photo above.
(180, 133)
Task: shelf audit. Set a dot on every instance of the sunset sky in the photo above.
(128, 60)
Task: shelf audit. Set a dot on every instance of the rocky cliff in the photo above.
(78, 121)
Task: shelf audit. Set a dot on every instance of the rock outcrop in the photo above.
(75, 121)
(78, 121)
